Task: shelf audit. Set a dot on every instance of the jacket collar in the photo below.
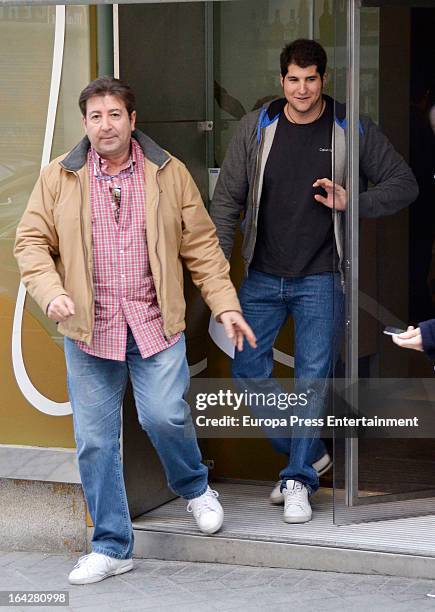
(77, 157)
(274, 109)
(271, 112)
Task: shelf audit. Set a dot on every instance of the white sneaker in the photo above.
(207, 511)
(297, 508)
(96, 566)
(321, 466)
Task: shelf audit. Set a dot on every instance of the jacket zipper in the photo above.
(157, 240)
(254, 201)
(337, 226)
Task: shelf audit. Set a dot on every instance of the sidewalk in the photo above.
(200, 587)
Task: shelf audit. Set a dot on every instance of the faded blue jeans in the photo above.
(96, 388)
(316, 303)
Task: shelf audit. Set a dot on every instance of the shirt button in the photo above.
(121, 250)
(122, 275)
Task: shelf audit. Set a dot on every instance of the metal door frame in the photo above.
(349, 505)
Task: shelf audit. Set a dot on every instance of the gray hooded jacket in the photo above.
(239, 187)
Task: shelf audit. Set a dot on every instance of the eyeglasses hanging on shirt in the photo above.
(116, 201)
(115, 190)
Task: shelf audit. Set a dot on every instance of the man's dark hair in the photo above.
(303, 52)
(108, 86)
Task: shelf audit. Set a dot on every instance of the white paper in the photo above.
(213, 175)
(219, 337)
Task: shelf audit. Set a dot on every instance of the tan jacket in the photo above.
(53, 245)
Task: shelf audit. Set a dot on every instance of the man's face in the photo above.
(302, 88)
(108, 126)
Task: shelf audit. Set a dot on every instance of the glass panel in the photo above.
(76, 72)
(26, 41)
(247, 58)
(26, 51)
(30, 31)
(170, 87)
(377, 472)
(339, 76)
(249, 37)
(232, 50)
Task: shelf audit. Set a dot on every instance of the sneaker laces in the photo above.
(204, 502)
(296, 493)
(91, 559)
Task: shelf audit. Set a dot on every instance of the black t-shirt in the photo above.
(295, 232)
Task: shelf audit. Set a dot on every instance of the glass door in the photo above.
(384, 467)
(165, 53)
(198, 68)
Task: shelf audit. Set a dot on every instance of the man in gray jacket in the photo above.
(278, 174)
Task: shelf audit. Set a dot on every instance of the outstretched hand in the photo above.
(236, 329)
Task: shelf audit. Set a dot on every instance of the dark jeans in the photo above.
(316, 303)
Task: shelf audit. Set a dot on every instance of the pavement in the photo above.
(177, 586)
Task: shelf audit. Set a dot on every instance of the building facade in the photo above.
(197, 68)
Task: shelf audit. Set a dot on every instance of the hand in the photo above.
(61, 308)
(336, 196)
(410, 339)
(236, 328)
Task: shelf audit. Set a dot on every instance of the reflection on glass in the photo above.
(26, 51)
(26, 35)
(25, 86)
(246, 60)
(76, 71)
(393, 255)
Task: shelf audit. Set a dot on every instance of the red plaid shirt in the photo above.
(124, 291)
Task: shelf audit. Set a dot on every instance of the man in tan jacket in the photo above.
(100, 248)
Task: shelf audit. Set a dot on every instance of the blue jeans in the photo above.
(316, 303)
(96, 388)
